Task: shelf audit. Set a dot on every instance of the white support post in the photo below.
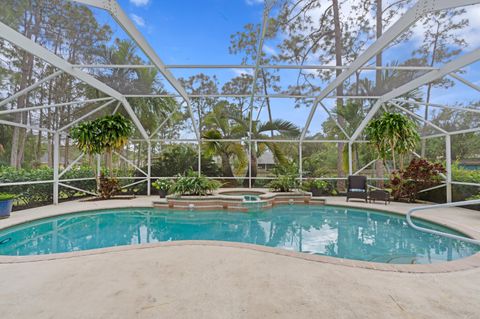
(71, 165)
(456, 108)
(249, 161)
(250, 66)
(47, 106)
(56, 163)
(99, 165)
(465, 81)
(149, 168)
(448, 160)
(115, 110)
(199, 159)
(263, 31)
(300, 163)
(28, 127)
(335, 120)
(350, 159)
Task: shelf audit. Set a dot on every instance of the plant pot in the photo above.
(162, 193)
(6, 208)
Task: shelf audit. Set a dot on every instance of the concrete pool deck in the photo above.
(216, 281)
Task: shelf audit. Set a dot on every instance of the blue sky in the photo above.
(198, 32)
(185, 32)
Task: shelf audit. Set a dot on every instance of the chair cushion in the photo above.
(356, 190)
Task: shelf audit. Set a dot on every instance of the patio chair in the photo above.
(357, 187)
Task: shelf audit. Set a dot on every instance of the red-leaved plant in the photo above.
(419, 175)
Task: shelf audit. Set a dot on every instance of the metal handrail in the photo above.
(436, 232)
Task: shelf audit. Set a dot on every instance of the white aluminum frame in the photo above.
(412, 15)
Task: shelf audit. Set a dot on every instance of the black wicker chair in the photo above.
(357, 187)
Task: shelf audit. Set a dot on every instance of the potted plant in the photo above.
(103, 136)
(285, 178)
(393, 134)
(163, 186)
(318, 187)
(283, 183)
(6, 203)
(193, 184)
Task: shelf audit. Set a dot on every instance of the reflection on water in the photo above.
(333, 231)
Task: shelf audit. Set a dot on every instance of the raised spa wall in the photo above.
(237, 203)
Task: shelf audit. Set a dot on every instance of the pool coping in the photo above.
(466, 263)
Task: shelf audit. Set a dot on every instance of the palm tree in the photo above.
(221, 127)
(259, 132)
(227, 124)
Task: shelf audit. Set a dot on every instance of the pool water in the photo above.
(325, 230)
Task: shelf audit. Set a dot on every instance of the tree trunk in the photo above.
(267, 99)
(226, 167)
(254, 167)
(429, 89)
(27, 70)
(339, 91)
(379, 168)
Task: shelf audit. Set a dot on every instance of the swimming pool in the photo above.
(325, 230)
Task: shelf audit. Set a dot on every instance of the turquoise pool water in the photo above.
(324, 230)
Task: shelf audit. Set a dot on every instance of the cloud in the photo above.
(138, 20)
(469, 33)
(249, 2)
(140, 3)
(239, 72)
(269, 50)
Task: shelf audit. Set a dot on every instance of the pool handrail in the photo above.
(436, 232)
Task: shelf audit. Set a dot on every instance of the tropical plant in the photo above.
(286, 178)
(106, 134)
(194, 184)
(318, 187)
(108, 187)
(393, 133)
(179, 158)
(419, 175)
(162, 184)
(222, 127)
(283, 183)
(227, 124)
(114, 133)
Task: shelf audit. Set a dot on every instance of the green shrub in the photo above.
(108, 187)
(321, 186)
(179, 159)
(286, 178)
(32, 193)
(420, 174)
(192, 184)
(4, 196)
(162, 184)
(78, 172)
(283, 183)
(41, 194)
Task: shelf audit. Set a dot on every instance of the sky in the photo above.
(198, 32)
